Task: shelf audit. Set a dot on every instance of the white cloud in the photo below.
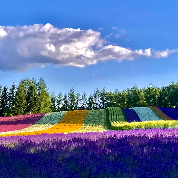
(160, 54)
(23, 48)
(115, 28)
(2, 32)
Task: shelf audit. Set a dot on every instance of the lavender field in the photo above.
(110, 153)
(136, 153)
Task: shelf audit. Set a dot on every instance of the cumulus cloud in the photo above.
(26, 47)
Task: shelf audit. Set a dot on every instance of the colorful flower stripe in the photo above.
(146, 125)
(170, 112)
(72, 120)
(19, 122)
(95, 121)
(159, 113)
(131, 115)
(46, 122)
(19, 117)
(145, 114)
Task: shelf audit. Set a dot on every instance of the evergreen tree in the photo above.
(129, 98)
(4, 102)
(84, 101)
(32, 99)
(124, 100)
(163, 100)
(0, 100)
(117, 98)
(135, 95)
(71, 99)
(53, 103)
(96, 99)
(59, 102)
(90, 103)
(142, 101)
(151, 95)
(65, 106)
(12, 100)
(21, 103)
(110, 99)
(77, 101)
(173, 94)
(44, 102)
(103, 98)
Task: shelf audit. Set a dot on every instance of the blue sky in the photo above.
(89, 44)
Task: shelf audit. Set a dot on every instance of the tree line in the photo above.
(32, 97)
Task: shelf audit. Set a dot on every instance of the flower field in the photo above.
(111, 142)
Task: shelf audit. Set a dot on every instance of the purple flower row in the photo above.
(134, 153)
(131, 115)
(170, 112)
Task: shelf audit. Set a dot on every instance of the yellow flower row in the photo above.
(147, 124)
(72, 120)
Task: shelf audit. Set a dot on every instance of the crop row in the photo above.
(81, 121)
(141, 118)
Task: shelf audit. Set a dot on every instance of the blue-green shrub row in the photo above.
(145, 114)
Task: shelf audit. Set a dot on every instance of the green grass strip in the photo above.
(114, 117)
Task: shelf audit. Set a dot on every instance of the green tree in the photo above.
(135, 96)
(142, 101)
(151, 95)
(44, 102)
(84, 101)
(53, 103)
(163, 100)
(111, 102)
(124, 99)
(0, 100)
(4, 102)
(103, 98)
(129, 98)
(117, 98)
(96, 99)
(65, 106)
(90, 104)
(173, 94)
(21, 103)
(32, 99)
(71, 99)
(59, 101)
(12, 99)
(77, 101)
